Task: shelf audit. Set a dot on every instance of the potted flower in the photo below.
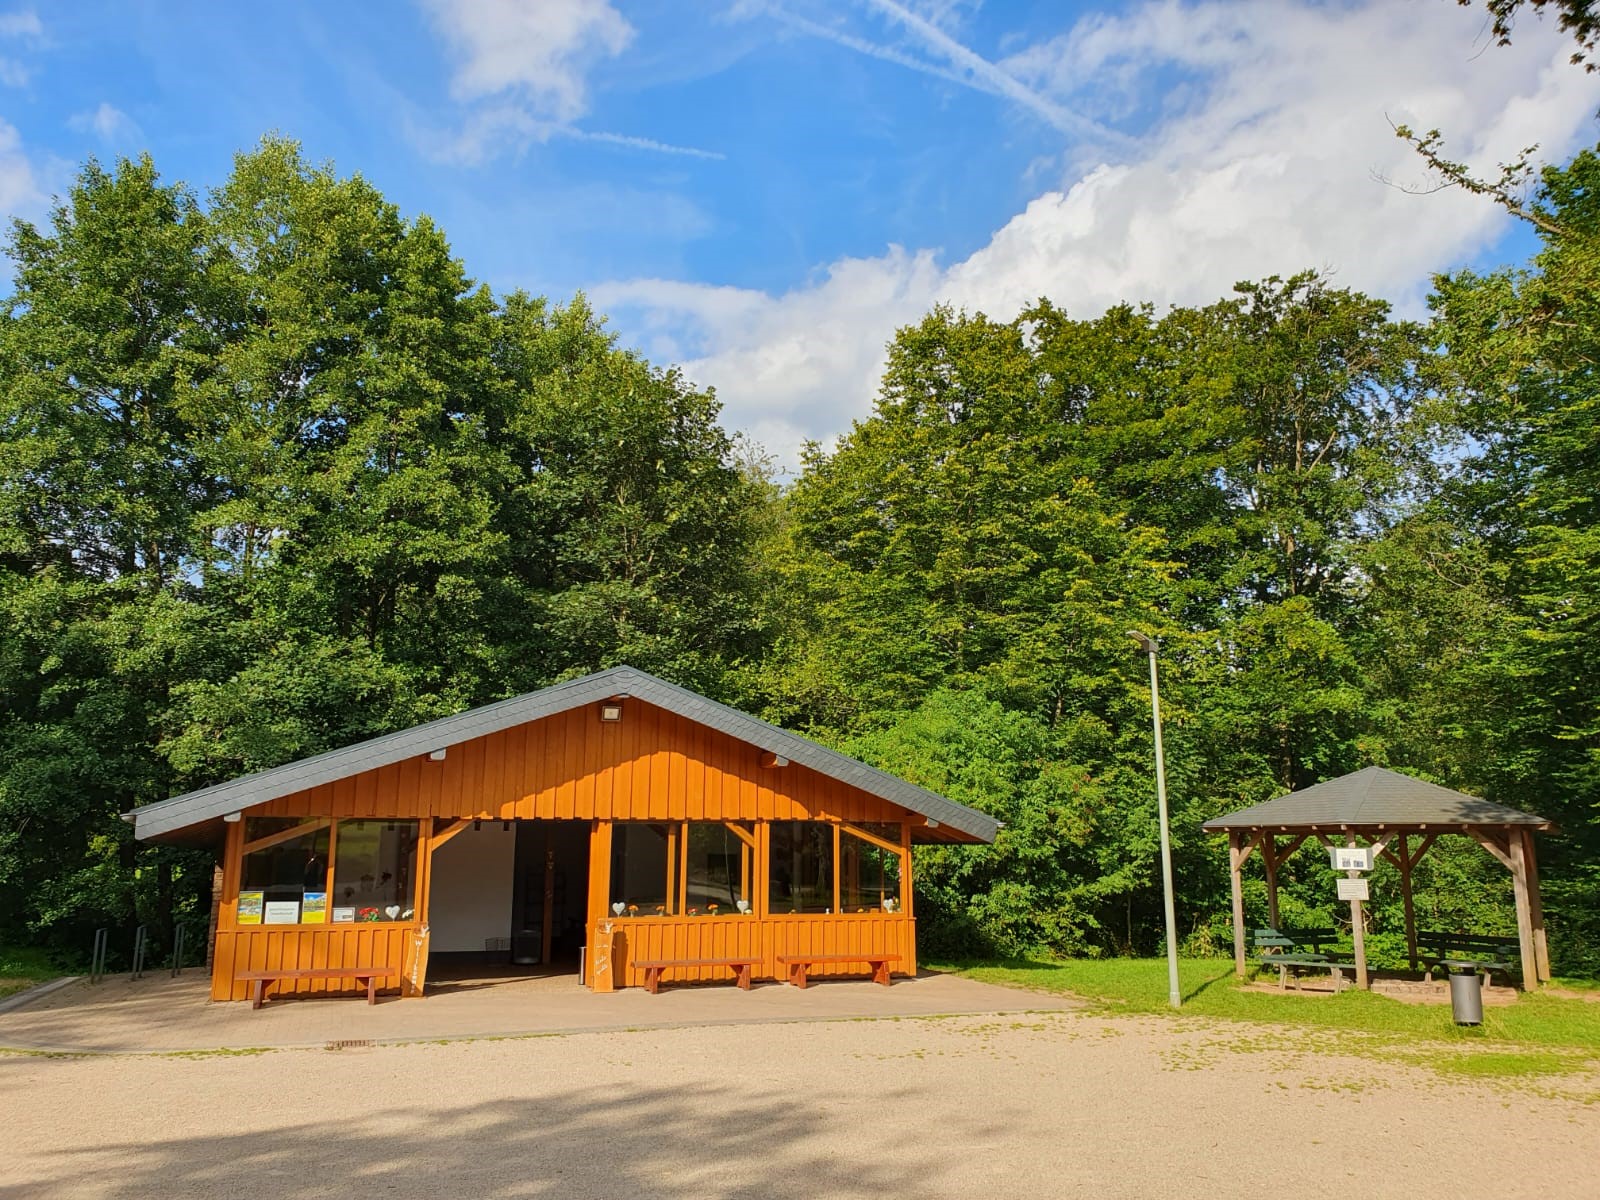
(711, 909)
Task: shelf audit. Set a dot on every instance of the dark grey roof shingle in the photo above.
(212, 803)
(1374, 796)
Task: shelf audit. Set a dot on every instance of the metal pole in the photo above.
(1174, 994)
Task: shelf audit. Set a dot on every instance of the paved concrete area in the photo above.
(161, 1014)
(1062, 1104)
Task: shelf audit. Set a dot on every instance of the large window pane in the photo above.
(717, 868)
(801, 867)
(639, 868)
(274, 880)
(868, 874)
(375, 867)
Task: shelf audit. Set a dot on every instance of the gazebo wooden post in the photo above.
(1235, 863)
(1358, 932)
(1405, 896)
(1541, 947)
(1519, 882)
(1269, 855)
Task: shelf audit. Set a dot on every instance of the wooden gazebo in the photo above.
(1400, 817)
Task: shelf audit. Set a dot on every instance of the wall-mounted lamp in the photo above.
(932, 824)
(611, 710)
(234, 818)
(771, 759)
(437, 755)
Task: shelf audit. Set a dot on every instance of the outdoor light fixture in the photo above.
(234, 818)
(611, 710)
(1149, 646)
(436, 755)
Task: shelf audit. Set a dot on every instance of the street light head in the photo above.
(1148, 644)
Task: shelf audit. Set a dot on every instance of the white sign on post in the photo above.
(1351, 858)
(1352, 889)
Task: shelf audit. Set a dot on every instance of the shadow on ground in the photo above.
(649, 1141)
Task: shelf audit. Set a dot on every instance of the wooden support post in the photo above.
(1405, 896)
(549, 899)
(1235, 863)
(1269, 856)
(1358, 932)
(1519, 881)
(1541, 947)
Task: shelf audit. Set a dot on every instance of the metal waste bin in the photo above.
(1466, 995)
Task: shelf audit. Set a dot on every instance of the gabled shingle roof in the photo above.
(212, 803)
(1374, 796)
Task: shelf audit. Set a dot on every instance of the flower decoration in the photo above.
(633, 910)
(661, 910)
(368, 914)
(694, 912)
(712, 909)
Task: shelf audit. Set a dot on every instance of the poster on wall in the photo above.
(282, 912)
(344, 914)
(250, 907)
(314, 911)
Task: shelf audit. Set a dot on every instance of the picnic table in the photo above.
(1457, 951)
(1287, 953)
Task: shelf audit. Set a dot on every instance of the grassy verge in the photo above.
(1537, 1035)
(24, 967)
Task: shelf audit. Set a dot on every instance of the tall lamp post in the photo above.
(1149, 646)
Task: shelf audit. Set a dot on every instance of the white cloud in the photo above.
(108, 123)
(1267, 165)
(539, 50)
(20, 192)
(523, 74)
(23, 23)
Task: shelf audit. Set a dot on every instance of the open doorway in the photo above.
(507, 901)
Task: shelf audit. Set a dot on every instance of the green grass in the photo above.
(1538, 1035)
(23, 967)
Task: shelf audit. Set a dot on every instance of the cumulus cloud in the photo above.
(23, 25)
(108, 123)
(20, 192)
(522, 74)
(1272, 160)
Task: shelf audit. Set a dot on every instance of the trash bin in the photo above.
(1466, 996)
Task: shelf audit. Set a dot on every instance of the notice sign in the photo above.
(1351, 858)
(250, 907)
(315, 909)
(1352, 889)
(282, 912)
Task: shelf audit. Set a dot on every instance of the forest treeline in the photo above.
(275, 476)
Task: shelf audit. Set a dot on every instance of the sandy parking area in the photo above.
(1059, 1104)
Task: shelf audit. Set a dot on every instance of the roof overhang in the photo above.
(199, 814)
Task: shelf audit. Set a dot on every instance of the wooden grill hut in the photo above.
(516, 832)
(1401, 817)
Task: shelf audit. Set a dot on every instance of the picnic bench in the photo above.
(653, 967)
(1286, 951)
(1489, 954)
(797, 965)
(260, 981)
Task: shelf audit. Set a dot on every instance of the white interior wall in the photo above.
(470, 899)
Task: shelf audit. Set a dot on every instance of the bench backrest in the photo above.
(1444, 943)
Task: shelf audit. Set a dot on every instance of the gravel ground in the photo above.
(1049, 1104)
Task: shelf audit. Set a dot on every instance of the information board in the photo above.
(1352, 889)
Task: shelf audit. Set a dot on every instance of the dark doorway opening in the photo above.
(520, 895)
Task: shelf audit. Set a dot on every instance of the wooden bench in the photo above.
(654, 966)
(1490, 953)
(1280, 950)
(799, 964)
(260, 981)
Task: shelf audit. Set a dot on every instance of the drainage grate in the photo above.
(351, 1044)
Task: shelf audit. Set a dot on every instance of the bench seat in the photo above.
(799, 964)
(260, 981)
(653, 967)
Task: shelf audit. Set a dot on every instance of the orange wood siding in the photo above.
(652, 765)
(644, 938)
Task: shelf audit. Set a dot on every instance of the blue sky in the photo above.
(763, 189)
